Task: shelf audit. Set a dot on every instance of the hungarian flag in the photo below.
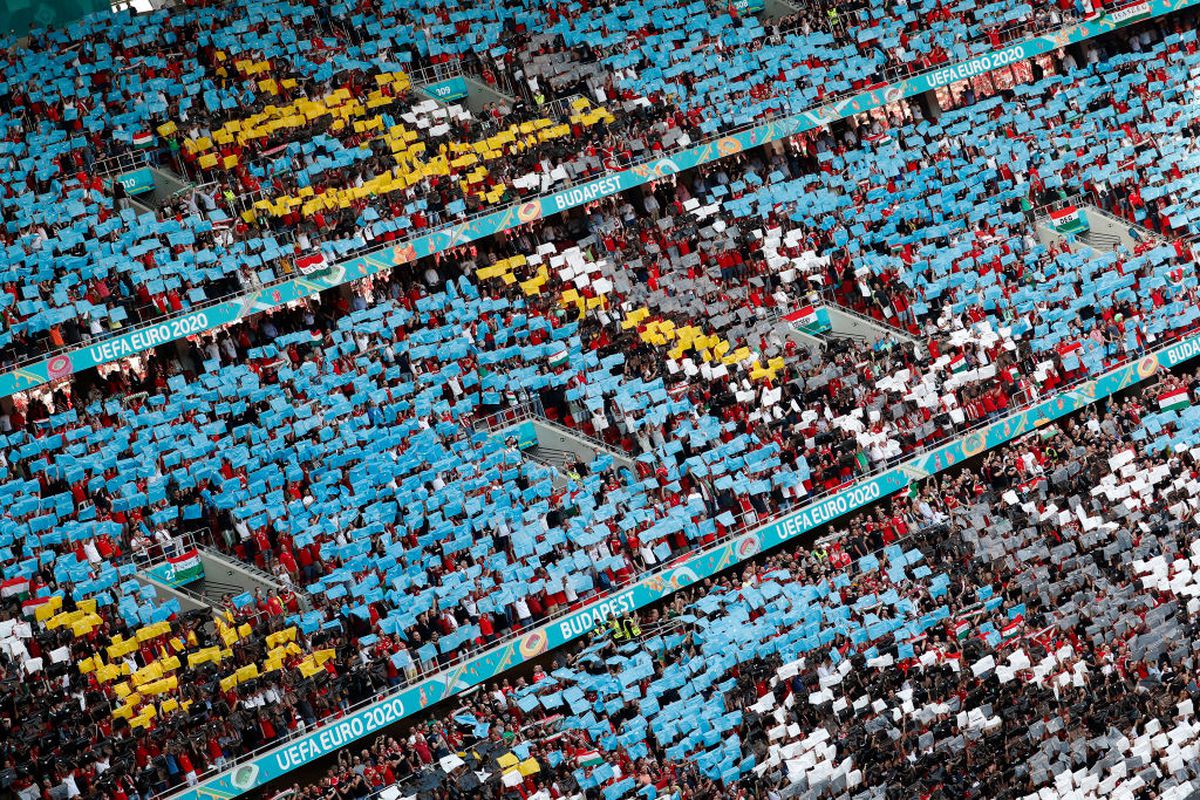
(310, 263)
(1123, 16)
(1011, 629)
(962, 630)
(560, 356)
(185, 568)
(1069, 220)
(14, 587)
(591, 758)
(803, 316)
(813, 319)
(958, 363)
(30, 606)
(143, 139)
(1069, 352)
(1174, 400)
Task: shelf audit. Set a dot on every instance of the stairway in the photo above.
(850, 324)
(1098, 241)
(552, 457)
(214, 590)
(224, 574)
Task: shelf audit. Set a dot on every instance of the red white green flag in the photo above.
(1069, 220)
(1174, 400)
(559, 357)
(310, 262)
(30, 606)
(803, 316)
(14, 587)
(1123, 16)
(185, 568)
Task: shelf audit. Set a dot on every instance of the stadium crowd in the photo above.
(201, 476)
(307, 134)
(1052, 652)
(345, 444)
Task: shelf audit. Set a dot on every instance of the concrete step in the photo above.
(853, 325)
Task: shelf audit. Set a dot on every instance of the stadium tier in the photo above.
(1023, 628)
(309, 143)
(1027, 629)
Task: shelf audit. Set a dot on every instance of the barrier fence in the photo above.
(224, 312)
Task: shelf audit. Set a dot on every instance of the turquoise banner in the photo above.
(526, 435)
(447, 91)
(504, 219)
(486, 667)
(748, 6)
(139, 181)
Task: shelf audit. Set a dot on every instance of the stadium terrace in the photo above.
(665, 399)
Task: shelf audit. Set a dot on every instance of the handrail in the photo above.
(830, 299)
(434, 72)
(596, 443)
(252, 569)
(120, 162)
(507, 417)
(180, 543)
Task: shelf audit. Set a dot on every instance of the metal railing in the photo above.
(254, 570)
(433, 73)
(507, 417)
(831, 299)
(595, 442)
(121, 162)
(155, 554)
(551, 456)
(560, 108)
(886, 330)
